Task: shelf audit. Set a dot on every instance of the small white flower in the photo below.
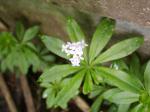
(75, 61)
(74, 49)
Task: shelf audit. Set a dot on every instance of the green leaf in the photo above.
(119, 65)
(49, 58)
(110, 93)
(75, 33)
(20, 30)
(16, 59)
(124, 98)
(3, 66)
(120, 50)
(96, 77)
(74, 30)
(30, 33)
(70, 89)
(7, 39)
(46, 92)
(57, 72)
(135, 67)
(22, 63)
(8, 61)
(138, 108)
(31, 58)
(96, 90)
(101, 37)
(120, 79)
(50, 101)
(123, 108)
(54, 45)
(45, 84)
(31, 46)
(88, 83)
(96, 105)
(147, 77)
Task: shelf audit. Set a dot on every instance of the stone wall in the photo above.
(132, 16)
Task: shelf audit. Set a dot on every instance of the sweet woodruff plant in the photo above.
(85, 68)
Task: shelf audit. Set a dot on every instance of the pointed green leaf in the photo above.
(110, 93)
(70, 90)
(88, 83)
(7, 64)
(120, 79)
(138, 108)
(16, 59)
(46, 92)
(54, 45)
(3, 66)
(7, 39)
(101, 37)
(45, 84)
(96, 105)
(20, 30)
(31, 58)
(50, 100)
(123, 108)
(147, 77)
(57, 72)
(23, 65)
(120, 50)
(30, 33)
(74, 31)
(31, 46)
(124, 98)
(121, 65)
(97, 90)
(96, 77)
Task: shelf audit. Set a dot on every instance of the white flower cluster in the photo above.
(75, 50)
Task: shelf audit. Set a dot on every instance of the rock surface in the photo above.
(132, 16)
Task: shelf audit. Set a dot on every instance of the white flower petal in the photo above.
(76, 50)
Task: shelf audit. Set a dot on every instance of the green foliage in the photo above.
(125, 85)
(96, 105)
(18, 53)
(46, 59)
(123, 107)
(60, 72)
(100, 37)
(120, 79)
(140, 101)
(72, 88)
(7, 43)
(54, 45)
(74, 31)
(30, 33)
(147, 77)
(121, 97)
(92, 68)
(119, 50)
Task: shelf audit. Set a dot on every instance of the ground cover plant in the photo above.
(110, 76)
(17, 55)
(86, 67)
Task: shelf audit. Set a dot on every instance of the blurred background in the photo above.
(132, 16)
